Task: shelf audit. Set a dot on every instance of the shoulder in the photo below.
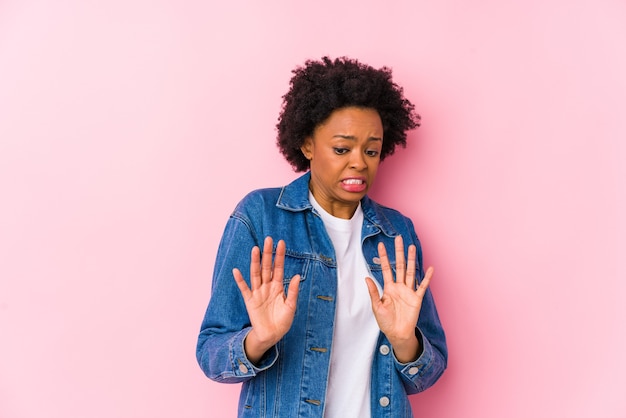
(258, 199)
(294, 197)
(392, 221)
(383, 211)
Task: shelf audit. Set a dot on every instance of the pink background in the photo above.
(130, 129)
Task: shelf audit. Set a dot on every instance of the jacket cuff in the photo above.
(242, 366)
(414, 370)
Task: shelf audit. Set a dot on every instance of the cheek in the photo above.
(373, 171)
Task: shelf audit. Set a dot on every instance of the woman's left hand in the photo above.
(397, 311)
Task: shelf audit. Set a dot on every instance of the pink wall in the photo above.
(129, 129)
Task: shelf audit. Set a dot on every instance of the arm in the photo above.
(219, 350)
(245, 318)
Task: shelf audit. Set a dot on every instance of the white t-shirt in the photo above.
(356, 331)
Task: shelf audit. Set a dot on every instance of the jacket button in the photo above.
(384, 349)
(384, 401)
(413, 371)
(243, 369)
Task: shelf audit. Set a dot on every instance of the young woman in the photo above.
(320, 302)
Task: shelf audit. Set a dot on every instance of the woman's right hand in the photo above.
(271, 312)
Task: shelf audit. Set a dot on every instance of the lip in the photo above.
(357, 187)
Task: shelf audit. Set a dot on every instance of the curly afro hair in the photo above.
(321, 87)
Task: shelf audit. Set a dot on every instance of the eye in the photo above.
(340, 151)
(372, 153)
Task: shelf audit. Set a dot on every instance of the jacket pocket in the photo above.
(295, 264)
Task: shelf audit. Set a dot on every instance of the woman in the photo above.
(327, 323)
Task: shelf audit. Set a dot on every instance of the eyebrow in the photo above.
(353, 138)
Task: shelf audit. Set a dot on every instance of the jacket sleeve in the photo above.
(226, 323)
(422, 373)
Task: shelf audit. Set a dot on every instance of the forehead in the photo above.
(353, 120)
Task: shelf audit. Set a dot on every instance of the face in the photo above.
(344, 152)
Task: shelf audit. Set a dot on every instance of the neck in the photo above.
(337, 209)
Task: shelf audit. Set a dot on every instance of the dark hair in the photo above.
(320, 87)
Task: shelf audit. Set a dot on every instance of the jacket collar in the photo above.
(294, 197)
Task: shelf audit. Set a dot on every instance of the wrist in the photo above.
(406, 350)
(255, 347)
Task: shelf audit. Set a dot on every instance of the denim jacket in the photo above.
(290, 380)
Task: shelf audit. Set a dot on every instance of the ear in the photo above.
(307, 148)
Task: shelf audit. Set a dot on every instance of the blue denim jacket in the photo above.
(290, 380)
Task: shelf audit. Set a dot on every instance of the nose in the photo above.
(357, 160)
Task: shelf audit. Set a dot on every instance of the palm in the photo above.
(271, 312)
(397, 311)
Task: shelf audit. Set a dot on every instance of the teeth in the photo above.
(353, 181)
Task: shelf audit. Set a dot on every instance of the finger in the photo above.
(279, 262)
(255, 267)
(400, 262)
(241, 284)
(410, 267)
(292, 291)
(384, 264)
(421, 290)
(266, 260)
(373, 291)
